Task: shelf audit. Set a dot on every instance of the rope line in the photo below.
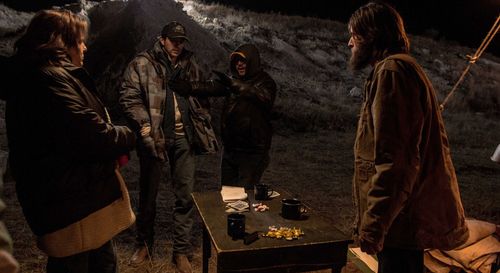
(472, 59)
(489, 36)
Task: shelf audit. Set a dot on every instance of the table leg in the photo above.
(207, 247)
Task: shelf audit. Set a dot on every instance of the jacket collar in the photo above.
(159, 53)
(68, 65)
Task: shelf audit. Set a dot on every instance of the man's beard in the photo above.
(361, 57)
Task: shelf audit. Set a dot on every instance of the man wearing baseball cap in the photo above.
(174, 30)
(161, 121)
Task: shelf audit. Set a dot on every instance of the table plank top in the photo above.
(317, 229)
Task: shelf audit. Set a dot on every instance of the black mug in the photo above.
(236, 225)
(262, 191)
(292, 209)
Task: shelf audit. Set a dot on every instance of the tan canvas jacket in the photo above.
(404, 184)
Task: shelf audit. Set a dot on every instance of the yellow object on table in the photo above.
(283, 232)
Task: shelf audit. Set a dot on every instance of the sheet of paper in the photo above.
(230, 194)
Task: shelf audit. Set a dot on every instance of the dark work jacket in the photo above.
(404, 185)
(246, 120)
(62, 148)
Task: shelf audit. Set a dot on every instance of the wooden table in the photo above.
(323, 246)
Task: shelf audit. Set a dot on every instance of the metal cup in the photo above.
(292, 209)
(236, 225)
(262, 191)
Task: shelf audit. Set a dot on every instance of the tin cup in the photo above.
(262, 191)
(236, 225)
(292, 209)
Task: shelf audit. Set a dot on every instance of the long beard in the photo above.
(361, 57)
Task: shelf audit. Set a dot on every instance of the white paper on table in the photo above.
(238, 205)
(230, 194)
(274, 194)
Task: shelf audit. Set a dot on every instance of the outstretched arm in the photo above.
(263, 92)
(211, 88)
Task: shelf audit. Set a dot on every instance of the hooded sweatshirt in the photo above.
(246, 125)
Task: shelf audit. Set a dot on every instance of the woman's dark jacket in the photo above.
(62, 147)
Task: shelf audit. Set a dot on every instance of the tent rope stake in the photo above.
(472, 59)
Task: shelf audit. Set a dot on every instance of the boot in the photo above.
(140, 255)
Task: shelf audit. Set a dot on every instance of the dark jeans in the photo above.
(397, 260)
(243, 169)
(182, 166)
(101, 260)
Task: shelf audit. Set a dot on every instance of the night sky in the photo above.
(465, 21)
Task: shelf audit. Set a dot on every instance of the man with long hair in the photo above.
(404, 184)
(63, 148)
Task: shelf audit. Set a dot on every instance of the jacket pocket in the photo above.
(365, 169)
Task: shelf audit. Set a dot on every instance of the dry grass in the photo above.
(323, 183)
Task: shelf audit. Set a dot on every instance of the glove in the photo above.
(149, 146)
(181, 87)
(239, 86)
